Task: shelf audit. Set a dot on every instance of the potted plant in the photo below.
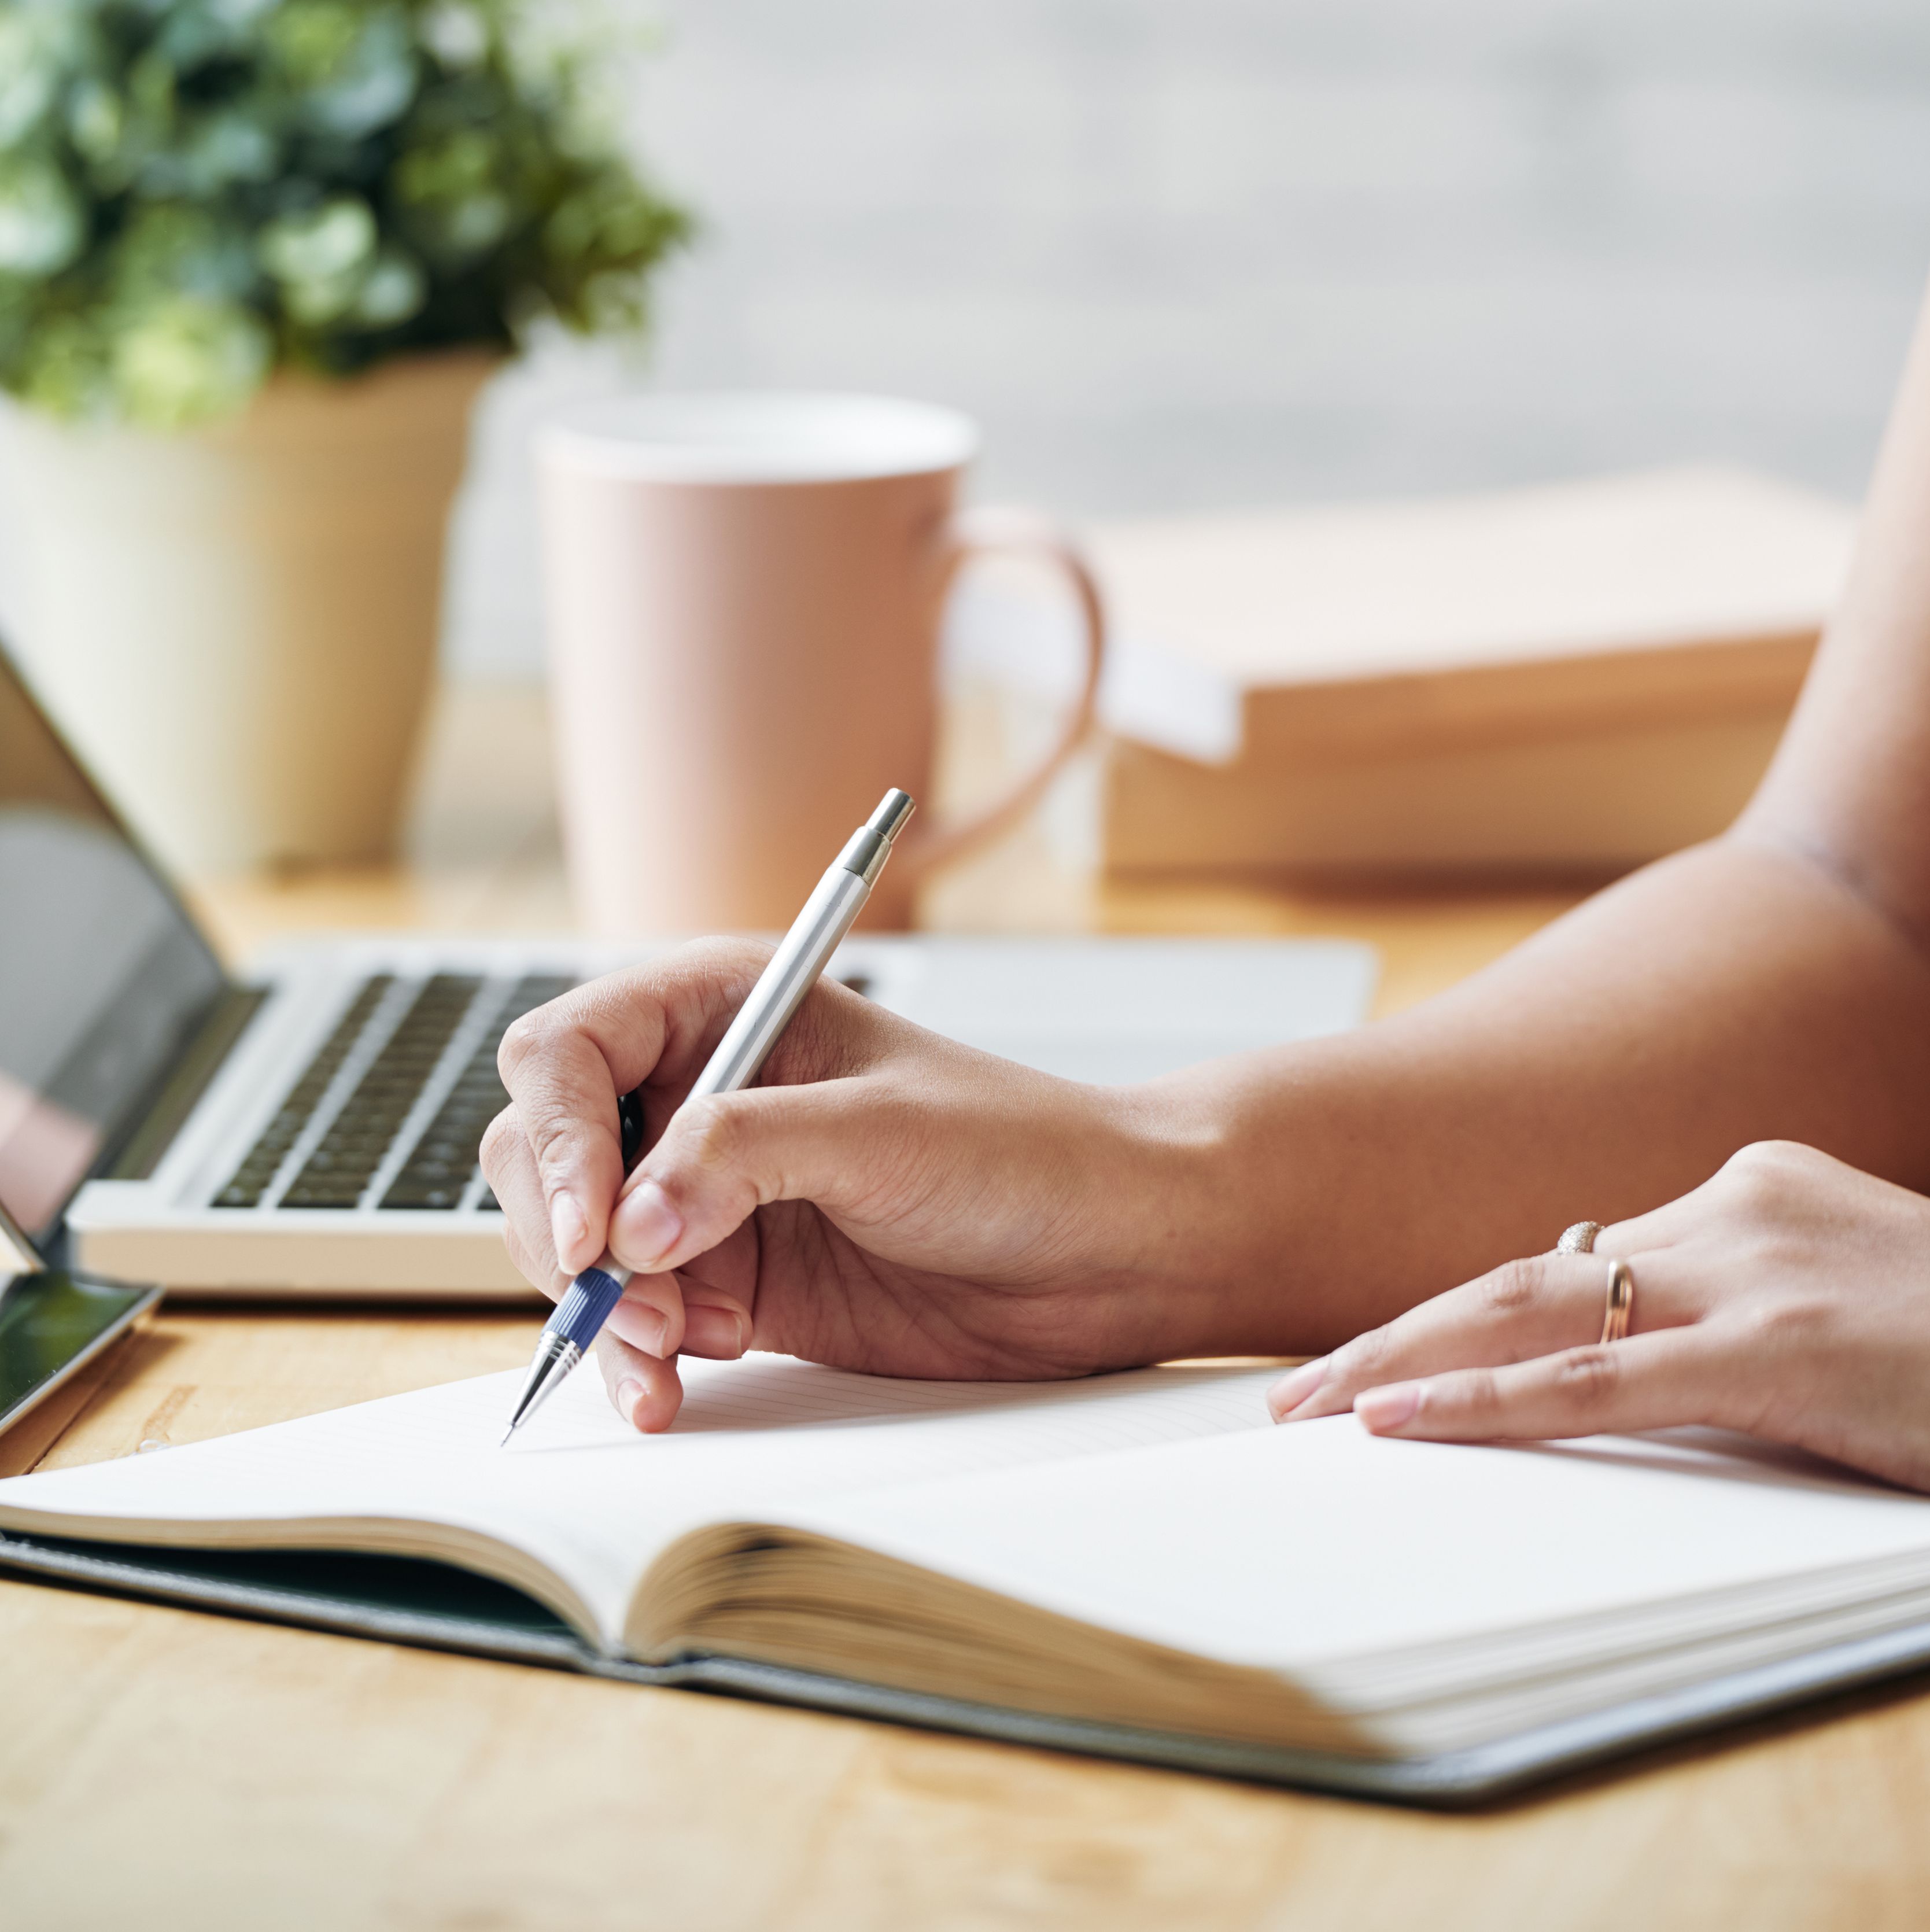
(256, 256)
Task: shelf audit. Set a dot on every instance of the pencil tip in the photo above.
(506, 1435)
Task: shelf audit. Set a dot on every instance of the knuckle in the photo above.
(1747, 1183)
(1786, 1325)
(498, 1142)
(523, 1042)
(725, 955)
(1514, 1288)
(722, 971)
(614, 1367)
(818, 1044)
(1763, 1174)
(1362, 1361)
(1477, 1392)
(553, 1144)
(710, 1135)
(1588, 1378)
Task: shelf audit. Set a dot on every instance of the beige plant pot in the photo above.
(236, 627)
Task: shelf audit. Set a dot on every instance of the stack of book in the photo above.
(1572, 678)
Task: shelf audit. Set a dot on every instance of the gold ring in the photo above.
(1578, 1239)
(1621, 1302)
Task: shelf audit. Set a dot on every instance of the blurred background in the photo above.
(1185, 253)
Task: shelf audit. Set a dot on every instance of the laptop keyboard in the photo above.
(440, 1163)
(256, 1174)
(373, 1148)
(337, 1173)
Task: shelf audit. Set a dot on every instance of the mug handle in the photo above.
(1023, 533)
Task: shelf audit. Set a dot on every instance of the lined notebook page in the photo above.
(594, 1502)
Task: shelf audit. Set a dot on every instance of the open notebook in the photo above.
(1137, 1565)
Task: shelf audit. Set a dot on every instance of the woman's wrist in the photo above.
(1259, 1221)
(1176, 1216)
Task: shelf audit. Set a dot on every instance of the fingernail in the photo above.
(723, 1333)
(1290, 1391)
(567, 1228)
(647, 1227)
(629, 1400)
(1388, 1408)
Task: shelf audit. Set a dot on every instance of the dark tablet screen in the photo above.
(50, 1321)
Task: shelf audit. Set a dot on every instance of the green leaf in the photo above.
(394, 291)
(324, 243)
(191, 191)
(95, 119)
(177, 248)
(190, 361)
(357, 67)
(39, 47)
(42, 223)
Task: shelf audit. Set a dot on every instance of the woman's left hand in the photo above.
(1788, 1297)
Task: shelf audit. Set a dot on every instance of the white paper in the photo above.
(593, 1500)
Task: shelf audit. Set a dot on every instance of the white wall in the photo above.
(1176, 252)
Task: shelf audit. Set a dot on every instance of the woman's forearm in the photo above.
(1775, 984)
(1733, 993)
(892, 1201)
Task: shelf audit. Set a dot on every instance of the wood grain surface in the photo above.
(165, 1768)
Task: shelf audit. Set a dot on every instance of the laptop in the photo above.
(309, 1127)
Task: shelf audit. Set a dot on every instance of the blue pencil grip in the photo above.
(585, 1307)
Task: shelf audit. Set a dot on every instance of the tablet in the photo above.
(52, 1324)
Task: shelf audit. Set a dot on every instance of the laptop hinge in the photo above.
(190, 1077)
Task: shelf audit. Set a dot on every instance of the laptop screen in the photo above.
(104, 979)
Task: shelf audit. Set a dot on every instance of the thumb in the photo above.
(725, 1155)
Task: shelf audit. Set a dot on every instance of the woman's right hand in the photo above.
(885, 1199)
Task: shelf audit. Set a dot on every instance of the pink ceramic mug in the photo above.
(744, 594)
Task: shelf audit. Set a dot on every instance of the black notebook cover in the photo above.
(406, 1600)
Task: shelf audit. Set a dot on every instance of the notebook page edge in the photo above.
(1902, 1539)
(237, 1480)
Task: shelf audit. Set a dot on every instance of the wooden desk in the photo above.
(161, 1769)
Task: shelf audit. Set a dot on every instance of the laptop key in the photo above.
(440, 1167)
(339, 1170)
(258, 1169)
(320, 1195)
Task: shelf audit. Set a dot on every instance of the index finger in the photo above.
(1656, 1381)
(566, 1065)
(563, 1084)
(1528, 1308)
